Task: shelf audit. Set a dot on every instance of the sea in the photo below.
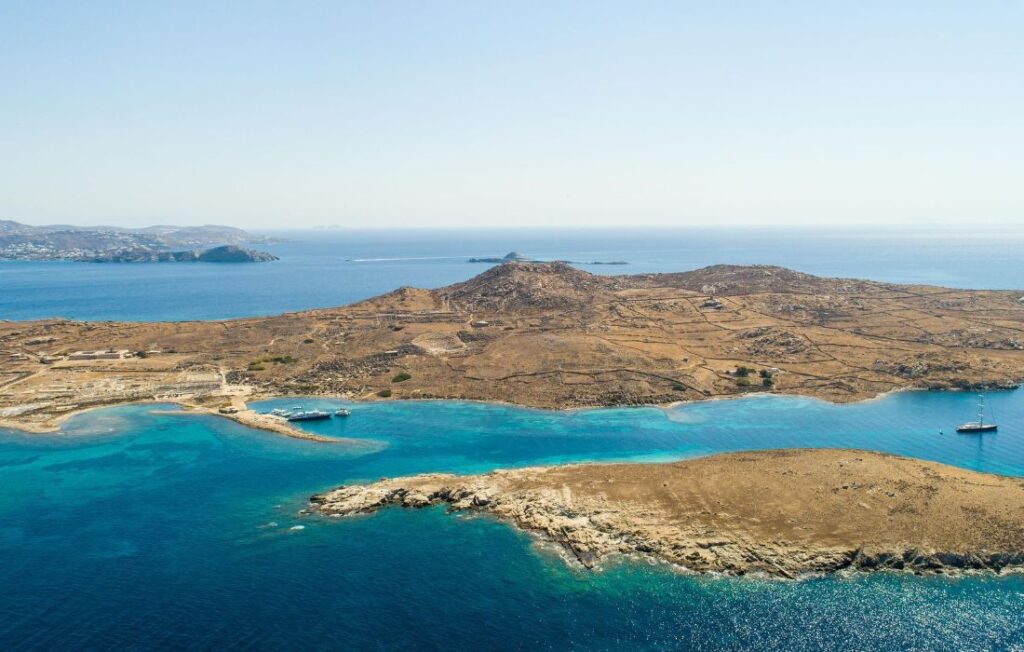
(143, 527)
(332, 267)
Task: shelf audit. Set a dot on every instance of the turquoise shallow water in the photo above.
(139, 528)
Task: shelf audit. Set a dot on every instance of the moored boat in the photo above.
(973, 427)
(308, 415)
(342, 412)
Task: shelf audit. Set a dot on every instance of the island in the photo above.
(543, 335)
(512, 256)
(776, 512)
(223, 254)
(516, 257)
(90, 243)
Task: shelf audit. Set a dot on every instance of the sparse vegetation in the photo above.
(553, 358)
(384, 393)
(401, 377)
(767, 382)
(308, 340)
(276, 359)
(743, 382)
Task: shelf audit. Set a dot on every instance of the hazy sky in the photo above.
(275, 115)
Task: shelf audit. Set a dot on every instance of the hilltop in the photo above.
(544, 335)
(526, 286)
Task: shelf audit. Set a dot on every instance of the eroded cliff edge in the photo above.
(781, 512)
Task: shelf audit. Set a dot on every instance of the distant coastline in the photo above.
(114, 244)
(224, 254)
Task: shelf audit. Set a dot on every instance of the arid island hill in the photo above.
(537, 334)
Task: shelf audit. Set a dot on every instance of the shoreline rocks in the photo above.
(782, 513)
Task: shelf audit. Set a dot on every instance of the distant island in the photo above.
(516, 257)
(224, 254)
(89, 243)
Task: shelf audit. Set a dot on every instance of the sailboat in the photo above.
(979, 425)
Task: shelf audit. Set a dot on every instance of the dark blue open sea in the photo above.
(140, 527)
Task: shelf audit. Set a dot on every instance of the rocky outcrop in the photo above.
(782, 513)
(233, 254)
(528, 286)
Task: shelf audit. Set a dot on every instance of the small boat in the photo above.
(979, 425)
(342, 412)
(278, 412)
(308, 415)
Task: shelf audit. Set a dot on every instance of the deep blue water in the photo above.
(328, 268)
(138, 528)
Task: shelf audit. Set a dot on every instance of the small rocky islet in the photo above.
(516, 257)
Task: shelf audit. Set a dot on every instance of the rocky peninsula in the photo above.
(781, 513)
(223, 254)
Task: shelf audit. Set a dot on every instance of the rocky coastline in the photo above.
(783, 513)
(225, 254)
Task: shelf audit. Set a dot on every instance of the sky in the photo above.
(420, 114)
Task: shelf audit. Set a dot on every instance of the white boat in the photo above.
(308, 415)
(342, 412)
(979, 425)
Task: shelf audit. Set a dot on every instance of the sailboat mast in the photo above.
(981, 409)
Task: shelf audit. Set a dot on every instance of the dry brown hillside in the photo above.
(547, 335)
(779, 512)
